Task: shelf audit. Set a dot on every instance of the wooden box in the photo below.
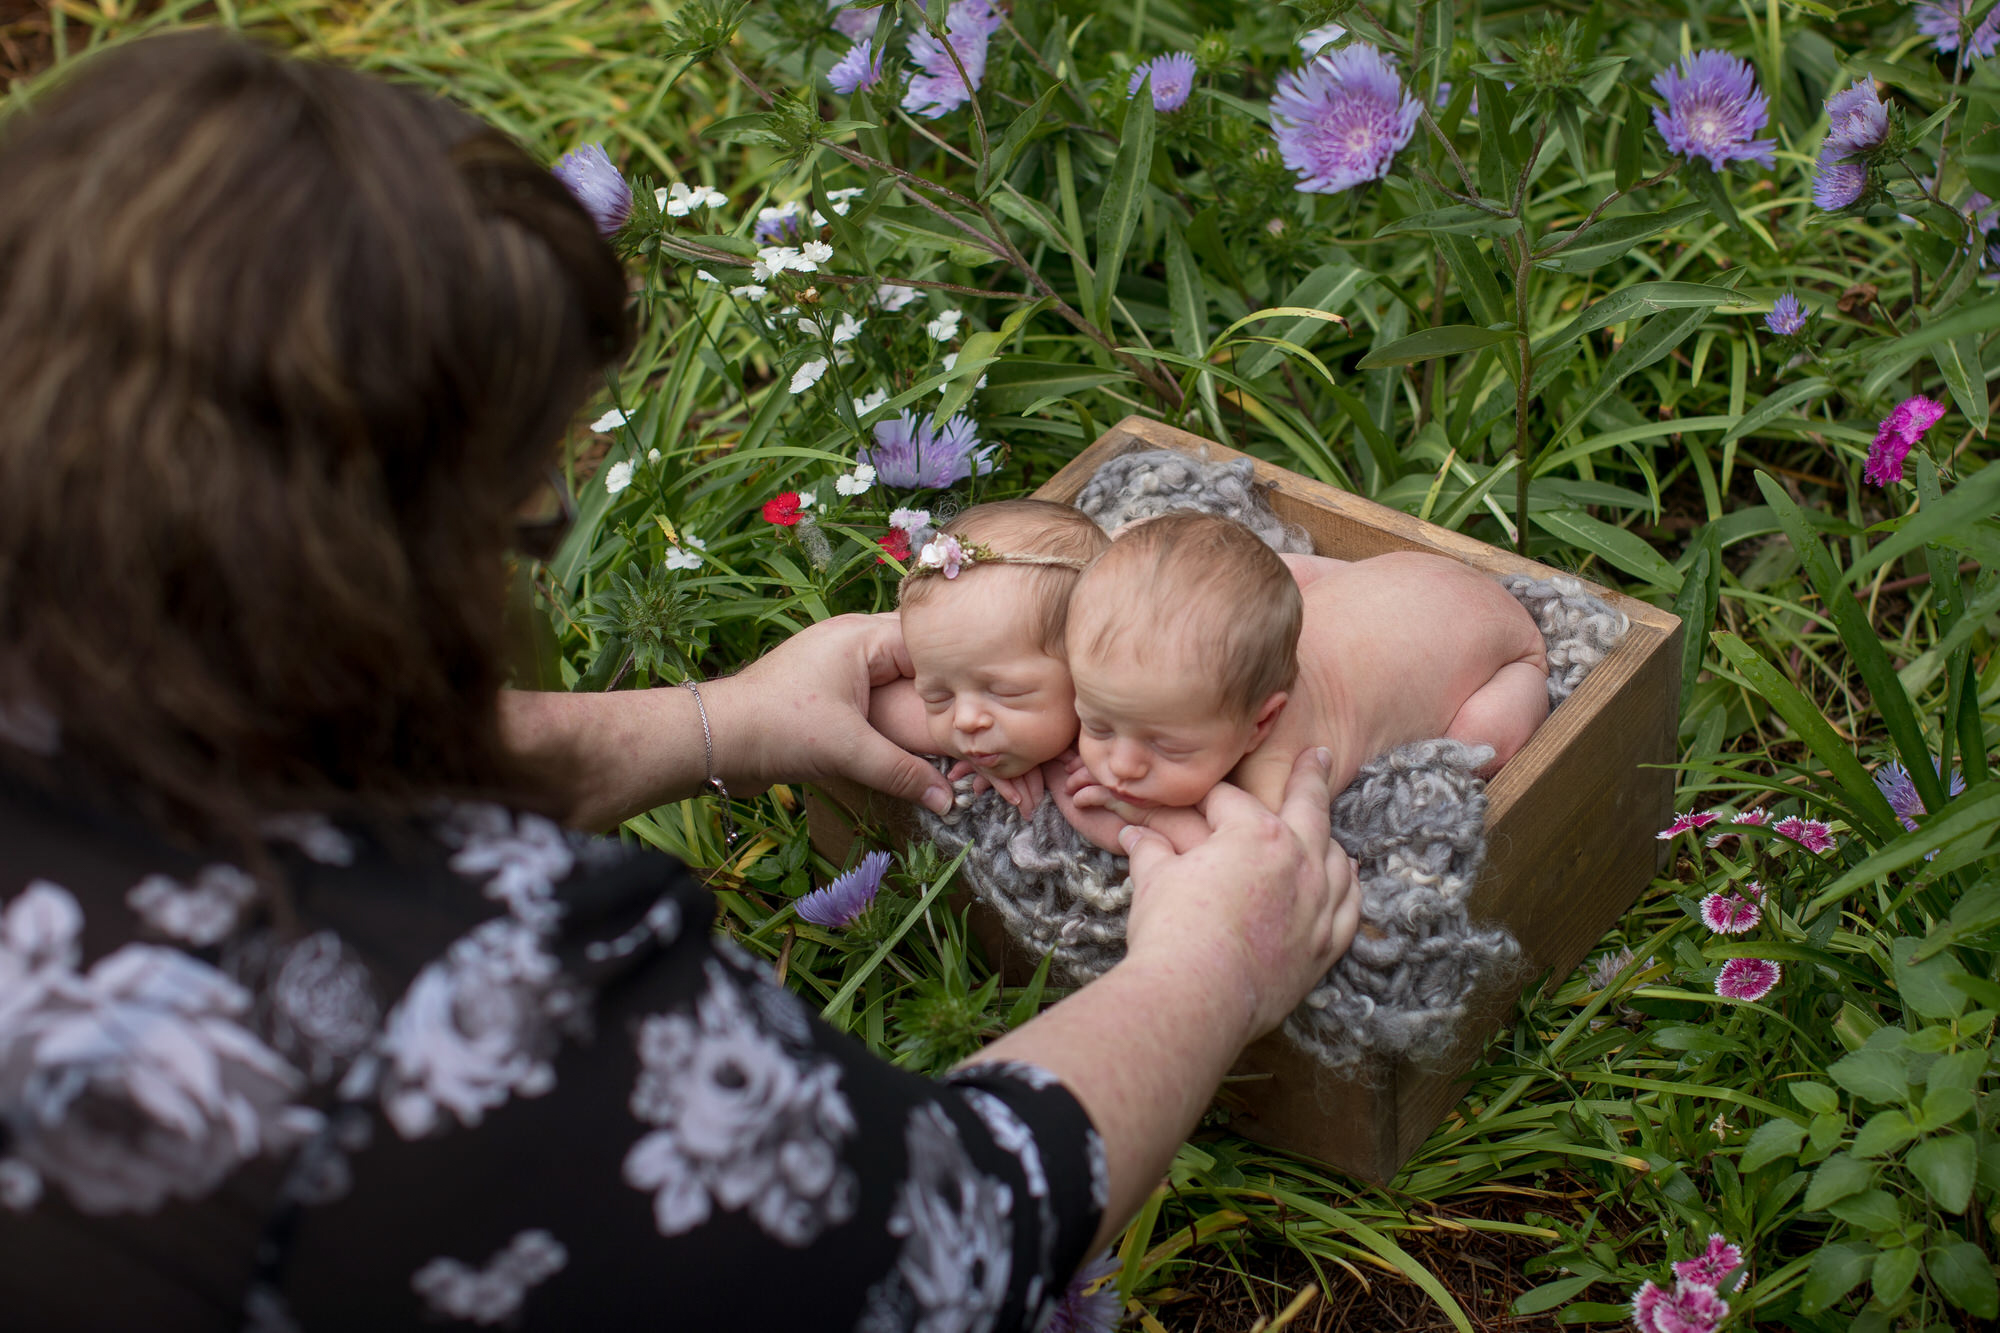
(1571, 824)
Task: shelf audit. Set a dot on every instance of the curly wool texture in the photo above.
(1412, 821)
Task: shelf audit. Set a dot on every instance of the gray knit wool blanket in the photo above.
(1412, 821)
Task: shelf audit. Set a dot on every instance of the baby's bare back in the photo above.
(1391, 650)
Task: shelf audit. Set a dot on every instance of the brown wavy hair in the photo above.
(283, 349)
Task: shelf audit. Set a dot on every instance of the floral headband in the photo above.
(947, 555)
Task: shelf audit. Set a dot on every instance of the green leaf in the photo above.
(1872, 1074)
(1815, 1097)
(1975, 914)
(1885, 1132)
(1871, 1210)
(1696, 604)
(1017, 385)
(1838, 1177)
(1942, 1106)
(1623, 550)
(1187, 297)
(1958, 362)
(1970, 814)
(1655, 338)
(1457, 220)
(1960, 1069)
(1776, 405)
(995, 168)
(1923, 985)
(1773, 1139)
(1711, 188)
(1974, 498)
(1124, 193)
(1980, 317)
(1551, 1294)
(1611, 238)
(1835, 1270)
(1324, 291)
(1894, 1271)
(1945, 1166)
(1964, 1275)
(1640, 299)
(1445, 340)
(1826, 1131)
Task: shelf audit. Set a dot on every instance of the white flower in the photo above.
(839, 198)
(706, 276)
(682, 558)
(910, 520)
(652, 455)
(617, 477)
(679, 200)
(609, 422)
(751, 291)
(951, 363)
(893, 297)
(869, 401)
(816, 253)
(945, 327)
(847, 330)
(689, 539)
(808, 374)
(775, 259)
(856, 482)
(1312, 42)
(805, 499)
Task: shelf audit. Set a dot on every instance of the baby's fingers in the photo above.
(1091, 796)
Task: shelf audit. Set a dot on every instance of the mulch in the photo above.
(25, 45)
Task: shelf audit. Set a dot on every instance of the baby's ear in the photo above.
(1267, 716)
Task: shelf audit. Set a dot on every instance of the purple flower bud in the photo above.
(917, 455)
(596, 184)
(1713, 107)
(1173, 80)
(1342, 119)
(856, 70)
(1787, 316)
(843, 901)
(1859, 120)
(1837, 183)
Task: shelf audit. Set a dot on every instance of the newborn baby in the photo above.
(984, 612)
(1197, 653)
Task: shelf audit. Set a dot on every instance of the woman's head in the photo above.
(282, 348)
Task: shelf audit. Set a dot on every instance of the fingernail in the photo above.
(937, 800)
(1325, 757)
(1127, 836)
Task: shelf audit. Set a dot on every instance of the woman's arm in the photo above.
(1222, 943)
(799, 713)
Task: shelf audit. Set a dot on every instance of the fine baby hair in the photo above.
(1207, 586)
(1048, 543)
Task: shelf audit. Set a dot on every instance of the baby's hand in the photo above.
(964, 768)
(1024, 792)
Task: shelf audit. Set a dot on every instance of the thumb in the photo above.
(1145, 849)
(886, 766)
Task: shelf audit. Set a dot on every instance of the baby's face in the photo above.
(1154, 733)
(991, 694)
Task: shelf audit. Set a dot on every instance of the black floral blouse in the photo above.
(493, 1073)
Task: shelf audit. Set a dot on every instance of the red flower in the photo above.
(783, 510)
(896, 543)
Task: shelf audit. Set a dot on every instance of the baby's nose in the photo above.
(971, 717)
(1127, 762)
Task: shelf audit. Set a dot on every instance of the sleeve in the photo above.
(683, 1143)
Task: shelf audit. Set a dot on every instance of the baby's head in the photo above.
(1183, 640)
(987, 643)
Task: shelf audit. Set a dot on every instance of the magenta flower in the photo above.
(1342, 119)
(1858, 121)
(940, 88)
(1713, 107)
(1787, 315)
(1689, 1308)
(1173, 80)
(856, 70)
(1747, 978)
(918, 455)
(596, 184)
(1688, 823)
(1943, 22)
(843, 901)
(1752, 818)
(1810, 834)
(1730, 913)
(1082, 1311)
(1713, 1266)
(1837, 183)
(1897, 435)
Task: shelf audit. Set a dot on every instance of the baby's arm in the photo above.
(1504, 712)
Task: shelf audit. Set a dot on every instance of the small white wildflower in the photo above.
(892, 296)
(856, 482)
(751, 290)
(816, 253)
(609, 422)
(682, 558)
(689, 539)
(652, 455)
(617, 477)
(774, 259)
(847, 330)
(840, 199)
(809, 327)
(910, 520)
(951, 363)
(945, 327)
(808, 374)
(869, 401)
(805, 499)
(706, 276)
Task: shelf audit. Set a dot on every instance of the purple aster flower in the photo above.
(1713, 107)
(1342, 119)
(1900, 790)
(1943, 22)
(1787, 316)
(1837, 183)
(855, 24)
(1859, 122)
(843, 901)
(1173, 80)
(1896, 436)
(1747, 979)
(1095, 1312)
(922, 455)
(1730, 913)
(1713, 1266)
(858, 69)
(596, 184)
(939, 88)
(1690, 1307)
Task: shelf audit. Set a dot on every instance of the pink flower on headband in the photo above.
(944, 553)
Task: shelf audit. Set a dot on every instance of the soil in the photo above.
(25, 47)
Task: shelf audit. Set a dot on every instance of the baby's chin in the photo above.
(1003, 765)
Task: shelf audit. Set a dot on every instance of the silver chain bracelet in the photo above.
(708, 764)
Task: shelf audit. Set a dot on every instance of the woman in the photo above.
(310, 1014)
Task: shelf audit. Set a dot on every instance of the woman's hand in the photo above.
(800, 713)
(1264, 907)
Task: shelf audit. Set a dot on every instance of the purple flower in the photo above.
(1713, 1266)
(1713, 107)
(1837, 183)
(856, 70)
(939, 88)
(1896, 436)
(1689, 1308)
(855, 23)
(1859, 120)
(596, 184)
(1787, 316)
(1095, 1312)
(1942, 22)
(1747, 979)
(919, 455)
(844, 900)
(781, 223)
(1342, 119)
(1900, 790)
(1730, 913)
(1173, 80)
